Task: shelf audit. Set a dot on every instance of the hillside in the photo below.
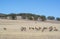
(13, 29)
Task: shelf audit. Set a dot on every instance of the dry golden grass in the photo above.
(13, 30)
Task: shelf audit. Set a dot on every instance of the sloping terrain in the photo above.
(13, 29)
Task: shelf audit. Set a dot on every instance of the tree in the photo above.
(58, 19)
(36, 17)
(29, 16)
(13, 16)
(50, 17)
(43, 17)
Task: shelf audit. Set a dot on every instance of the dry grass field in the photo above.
(11, 29)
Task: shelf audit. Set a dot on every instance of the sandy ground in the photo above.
(13, 30)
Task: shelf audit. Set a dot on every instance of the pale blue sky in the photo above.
(40, 7)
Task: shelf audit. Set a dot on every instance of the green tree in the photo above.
(13, 16)
(43, 17)
(29, 16)
(58, 19)
(50, 17)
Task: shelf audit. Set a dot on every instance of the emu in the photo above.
(55, 29)
(44, 28)
(38, 28)
(50, 28)
(31, 28)
(4, 28)
(23, 28)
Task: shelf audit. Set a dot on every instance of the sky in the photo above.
(39, 7)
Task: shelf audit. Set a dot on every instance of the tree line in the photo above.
(31, 16)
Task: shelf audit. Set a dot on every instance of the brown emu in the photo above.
(44, 28)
